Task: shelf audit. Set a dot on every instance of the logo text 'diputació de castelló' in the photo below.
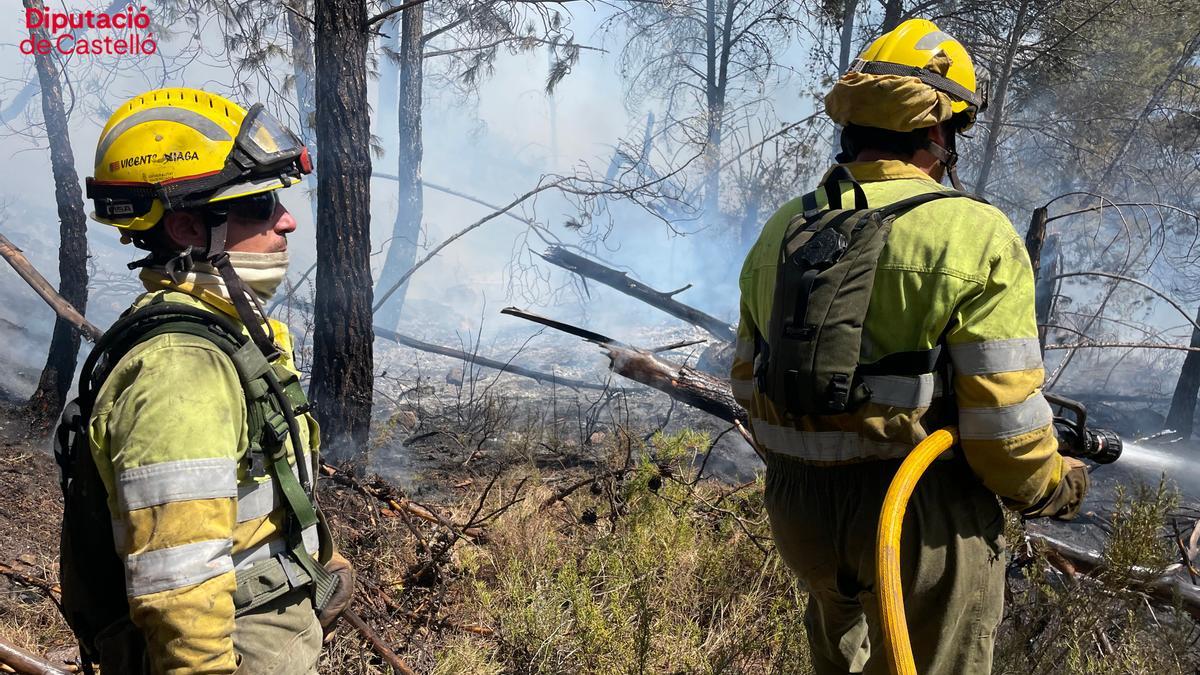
(89, 33)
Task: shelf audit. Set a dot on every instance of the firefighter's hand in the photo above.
(1064, 502)
(339, 567)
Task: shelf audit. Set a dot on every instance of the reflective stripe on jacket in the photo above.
(189, 508)
(954, 268)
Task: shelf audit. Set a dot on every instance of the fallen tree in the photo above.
(474, 359)
(682, 383)
(1074, 562)
(665, 301)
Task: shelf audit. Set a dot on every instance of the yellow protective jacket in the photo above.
(168, 435)
(952, 269)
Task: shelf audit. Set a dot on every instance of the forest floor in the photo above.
(598, 542)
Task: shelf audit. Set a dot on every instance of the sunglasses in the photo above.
(253, 207)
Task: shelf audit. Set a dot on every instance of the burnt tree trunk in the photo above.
(342, 340)
(406, 231)
(59, 372)
(1183, 401)
(590, 269)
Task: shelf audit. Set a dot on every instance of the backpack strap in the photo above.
(833, 188)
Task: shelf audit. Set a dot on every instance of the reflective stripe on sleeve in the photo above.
(1005, 421)
(176, 481)
(178, 566)
(996, 356)
(903, 391)
(823, 446)
(275, 546)
(257, 500)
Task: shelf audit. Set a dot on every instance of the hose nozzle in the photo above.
(1102, 446)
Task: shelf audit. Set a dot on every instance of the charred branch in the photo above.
(682, 383)
(377, 644)
(476, 360)
(29, 273)
(473, 359)
(23, 662)
(666, 302)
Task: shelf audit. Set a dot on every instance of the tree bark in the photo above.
(406, 230)
(1183, 401)
(846, 38)
(59, 371)
(342, 377)
(997, 106)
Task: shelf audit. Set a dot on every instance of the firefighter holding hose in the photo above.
(191, 538)
(874, 310)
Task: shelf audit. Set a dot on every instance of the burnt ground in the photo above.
(30, 511)
(30, 501)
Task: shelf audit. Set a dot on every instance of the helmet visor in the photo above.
(269, 143)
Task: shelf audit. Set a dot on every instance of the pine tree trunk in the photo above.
(406, 231)
(1183, 401)
(342, 378)
(59, 373)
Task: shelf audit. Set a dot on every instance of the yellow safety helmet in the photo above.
(913, 56)
(184, 148)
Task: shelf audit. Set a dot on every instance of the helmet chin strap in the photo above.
(218, 257)
(948, 158)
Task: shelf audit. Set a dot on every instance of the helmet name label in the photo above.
(153, 158)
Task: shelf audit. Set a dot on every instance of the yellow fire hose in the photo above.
(887, 556)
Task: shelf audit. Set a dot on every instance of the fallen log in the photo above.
(25, 663)
(682, 383)
(715, 397)
(475, 359)
(29, 273)
(1073, 561)
(590, 269)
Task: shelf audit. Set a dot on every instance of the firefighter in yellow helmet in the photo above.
(930, 323)
(191, 540)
